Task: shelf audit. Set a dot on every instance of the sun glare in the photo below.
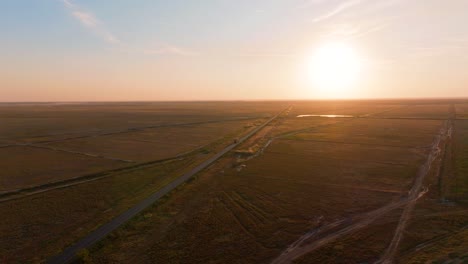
(334, 69)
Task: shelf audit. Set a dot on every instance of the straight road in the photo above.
(69, 254)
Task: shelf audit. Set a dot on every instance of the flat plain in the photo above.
(341, 188)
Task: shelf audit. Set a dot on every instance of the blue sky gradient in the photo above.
(84, 50)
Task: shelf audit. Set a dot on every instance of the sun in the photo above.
(334, 69)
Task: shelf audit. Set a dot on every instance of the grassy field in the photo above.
(313, 172)
(365, 108)
(155, 143)
(43, 143)
(364, 246)
(462, 111)
(50, 143)
(431, 111)
(348, 165)
(297, 176)
(58, 217)
(24, 166)
(50, 121)
(459, 186)
(392, 133)
(437, 231)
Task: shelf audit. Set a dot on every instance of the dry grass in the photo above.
(42, 122)
(461, 111)
(253, 214)
(450, 249)
(57, 218)
(364, 246)
(27, 166)
(316, 171)
(319, 163)
(436, 111)
(241, 217)
(355, 108)
(398, 133)
(459, 185)
(437, 231)
(154, 144)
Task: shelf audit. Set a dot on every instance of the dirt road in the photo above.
(323, 235)
(319, 237)
(434, 155)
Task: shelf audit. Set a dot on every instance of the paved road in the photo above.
(69, 254)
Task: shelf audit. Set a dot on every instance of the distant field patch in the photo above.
(27, 166)
(52, 121)
(462, 111)
(403, 133)
(294, 124)
(344, 165)
(436, 111)
(154, 144)
(460, 185)
(341, 108)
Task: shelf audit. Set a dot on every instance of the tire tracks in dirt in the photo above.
(435, 155)
(317, 238)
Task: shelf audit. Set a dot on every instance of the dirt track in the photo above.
(434, 155)
(319, 237)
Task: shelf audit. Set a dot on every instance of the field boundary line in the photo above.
(137, 129)
(50, 186)
(69, 254)
(9, 195)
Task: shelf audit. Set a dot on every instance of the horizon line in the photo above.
(236, 100)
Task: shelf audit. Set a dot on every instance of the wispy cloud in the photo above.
(67, 3)
(86, 19)
(89, 20)
(337, 10)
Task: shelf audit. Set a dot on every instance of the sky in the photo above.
(121, 50)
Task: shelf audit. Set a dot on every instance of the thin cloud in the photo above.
(68, 4)
(86, 19)
(337, 10)
(89, 20)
